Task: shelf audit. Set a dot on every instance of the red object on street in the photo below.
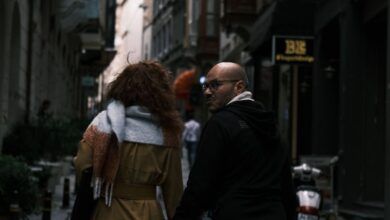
(183, 84)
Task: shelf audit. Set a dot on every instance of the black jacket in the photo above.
(242, 170)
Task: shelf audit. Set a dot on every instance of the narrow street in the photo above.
(321, 67)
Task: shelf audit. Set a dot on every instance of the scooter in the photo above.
(309, 196)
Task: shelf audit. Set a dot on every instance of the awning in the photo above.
(183, 84)
(282, 18)
(261, 28)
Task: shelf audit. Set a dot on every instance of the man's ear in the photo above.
(240, 86)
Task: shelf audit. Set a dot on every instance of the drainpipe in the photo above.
(387, 121)
(29, 60)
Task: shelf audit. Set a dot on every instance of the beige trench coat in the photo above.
(140, 165)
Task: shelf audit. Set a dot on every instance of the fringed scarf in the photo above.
(106, 133)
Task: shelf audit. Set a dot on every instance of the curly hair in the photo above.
(149, 84)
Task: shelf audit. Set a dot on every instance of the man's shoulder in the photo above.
(234, 113)
(244, 104)
(223, 117)
(227, 112)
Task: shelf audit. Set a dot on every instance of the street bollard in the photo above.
(46, 212)
(65, 197)
(14, 209)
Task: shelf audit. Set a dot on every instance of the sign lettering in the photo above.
(292, 49)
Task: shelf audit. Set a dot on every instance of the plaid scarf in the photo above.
(106, 133)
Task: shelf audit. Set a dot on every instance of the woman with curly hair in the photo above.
(134, 146)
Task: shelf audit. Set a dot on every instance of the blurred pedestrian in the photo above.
(191, 136)
(242, 170)
(133, 147)
(44, 111)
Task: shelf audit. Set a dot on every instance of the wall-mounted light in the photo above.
(329, 72)
(304, 86)
(202, 79)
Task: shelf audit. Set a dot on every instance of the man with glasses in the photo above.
(242, 170)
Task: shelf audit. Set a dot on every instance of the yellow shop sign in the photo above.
(292, 49)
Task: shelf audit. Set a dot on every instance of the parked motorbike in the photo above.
(309, 196)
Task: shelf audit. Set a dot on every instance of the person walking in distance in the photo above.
(191, 136)
(134, 146)
(242, 170)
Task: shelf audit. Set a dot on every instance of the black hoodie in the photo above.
(242, 170)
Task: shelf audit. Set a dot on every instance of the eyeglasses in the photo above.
(213, 85)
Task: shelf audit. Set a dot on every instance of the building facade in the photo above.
(128, 43)
(350, 105)
(169, 34)
(147, 6)
(336, 105)
(42, 52)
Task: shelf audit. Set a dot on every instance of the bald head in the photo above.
(224, 81)
(232, 71)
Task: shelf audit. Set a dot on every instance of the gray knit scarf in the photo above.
(132, 124)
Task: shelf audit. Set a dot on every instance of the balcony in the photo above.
(237, 16)
(238, 12)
